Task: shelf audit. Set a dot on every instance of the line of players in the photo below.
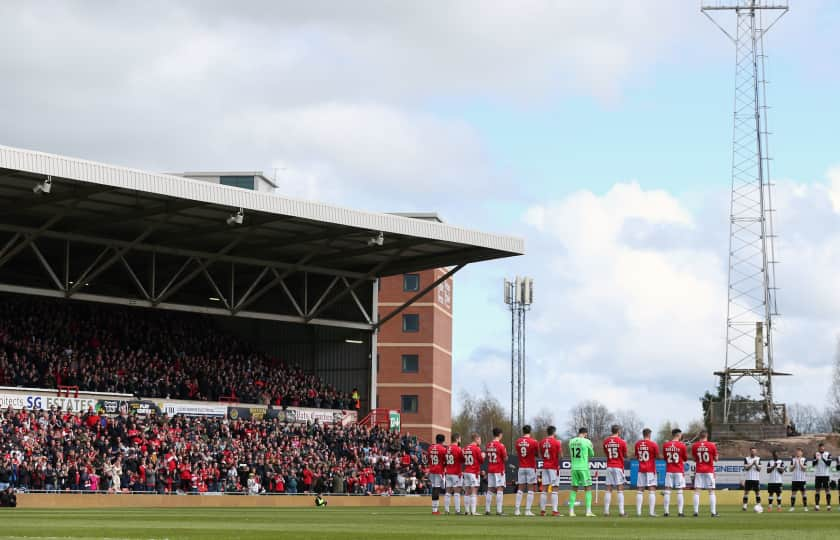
(798, 468)
(453, 469)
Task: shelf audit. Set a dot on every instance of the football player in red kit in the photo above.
(527, 448)
(550, 452)
(646, 452)
(496, 457)
(705, 455)
(676, 455)
(452, 468)
(437, 456)
(473, 458)
(615, 448)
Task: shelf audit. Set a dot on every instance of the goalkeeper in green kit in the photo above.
(581, 451)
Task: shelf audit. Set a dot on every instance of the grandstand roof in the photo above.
(122, 216)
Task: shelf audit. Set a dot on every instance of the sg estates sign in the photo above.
(46, 402)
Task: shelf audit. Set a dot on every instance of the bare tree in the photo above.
(592, 415)
(480, 415)
(833, 409)
(807, 419)
(631, 424)
(664, 431)
(540, 422)
(692, 431)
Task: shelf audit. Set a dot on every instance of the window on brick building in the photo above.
(409, 404)
(411, 322)
(410, 363)
(411, 282)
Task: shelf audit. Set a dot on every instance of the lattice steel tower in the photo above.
(752, 288)
(519, 295)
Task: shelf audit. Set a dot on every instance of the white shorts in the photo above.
(496, 480)
(646, 479)
(615, 476)
(704, 481)
(550, 477)
(527, 476)
(470, 480)
(674, 480)
(437, 481)
(453, 480)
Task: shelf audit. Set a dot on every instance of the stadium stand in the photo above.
(50, 344)
(61, 451)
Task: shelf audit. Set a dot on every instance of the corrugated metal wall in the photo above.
(319, 349)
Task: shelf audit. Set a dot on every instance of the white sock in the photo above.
(621, 502)
(666, 501)
(475, 503)
(446, 499)
(500, 501)
(543, 498)
(713, 501)
(652, 502)
(457, 503)
(518, 499)
(640, 497)
(555, 500)
(607, 500)
(488, 498)
(435, 506)
(680, 501)
(529, 501)
(696, 502)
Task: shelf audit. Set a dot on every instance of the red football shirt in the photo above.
(646, 452)
(616, 451)
(472, 459)
(496, 457)
(675, 456)
(437, 453)
(550, 449)
(454, 459)
(705, 454)
(527, 449)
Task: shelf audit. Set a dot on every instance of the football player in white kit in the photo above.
(798, 466)
(822, 476)
(752, 477)
(775, 477)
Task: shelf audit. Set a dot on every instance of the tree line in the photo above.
(481, 413)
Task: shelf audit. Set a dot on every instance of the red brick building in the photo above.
(415, 353)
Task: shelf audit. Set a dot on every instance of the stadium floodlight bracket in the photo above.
(417, 296)
(43, 187)
(237, 218)
(377, 240)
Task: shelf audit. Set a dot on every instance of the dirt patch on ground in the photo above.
(785, 446)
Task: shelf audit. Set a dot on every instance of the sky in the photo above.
(599, 132)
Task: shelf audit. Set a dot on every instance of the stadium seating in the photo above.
(54, 451)
(50, 343)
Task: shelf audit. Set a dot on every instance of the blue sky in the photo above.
(599, 132)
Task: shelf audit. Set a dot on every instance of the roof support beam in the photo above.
(37, 291)
(356, 284)
(417, 296)
(91, 274)
(47, 266)
(29, 236)
(202, 266)
(278, 278)
(184, 252)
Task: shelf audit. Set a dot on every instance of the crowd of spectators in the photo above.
(62, 451)
(48, 343)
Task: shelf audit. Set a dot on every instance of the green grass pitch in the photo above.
(391, 523)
